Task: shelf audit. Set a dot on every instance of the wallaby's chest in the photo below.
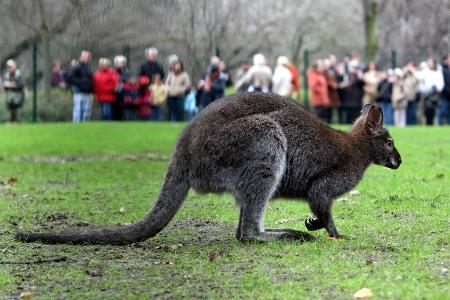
(331, 178)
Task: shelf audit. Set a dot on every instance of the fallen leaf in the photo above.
(122, 210)
(363, 293)
(444, 271)
(12, 180)
(214, 255)
(27, 295)
(355, 192)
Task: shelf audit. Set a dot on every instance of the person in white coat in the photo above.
(259, 76)
(282, 77)
(431, 83)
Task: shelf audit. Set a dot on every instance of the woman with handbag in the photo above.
(159, 96)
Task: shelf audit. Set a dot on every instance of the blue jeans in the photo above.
(82, 105)
(444, 111)
(176, 105)
(388, 113)
(156, 113)
(129, 114)
(411, 113)
(106, 110)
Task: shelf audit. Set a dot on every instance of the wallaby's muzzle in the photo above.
(395, 160)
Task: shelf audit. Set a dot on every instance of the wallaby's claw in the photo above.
(335, 238)
(313, 224)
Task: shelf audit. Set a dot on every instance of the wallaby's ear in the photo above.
(374, 118)
(366, 108)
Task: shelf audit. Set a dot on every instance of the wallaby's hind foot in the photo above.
(278, 235)
(314, 224)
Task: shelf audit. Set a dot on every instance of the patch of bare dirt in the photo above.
(201, 232)
(153, 156)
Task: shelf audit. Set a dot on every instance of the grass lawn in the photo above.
(397, 223)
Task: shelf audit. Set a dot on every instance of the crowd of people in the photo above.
(337, 90)
(259, 77)
(122, 96)
(408, 96)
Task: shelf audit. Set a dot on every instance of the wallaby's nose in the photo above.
(394, 163)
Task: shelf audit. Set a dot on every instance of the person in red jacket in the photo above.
(144, 99)
(318, 88)
(295, 81)
(105, 82)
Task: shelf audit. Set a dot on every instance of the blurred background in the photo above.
(387, 32)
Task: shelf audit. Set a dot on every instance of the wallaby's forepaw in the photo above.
(313, 224)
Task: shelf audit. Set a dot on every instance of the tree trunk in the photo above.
(370, 10)
(36, 37)
(46, 55)
(297, 46)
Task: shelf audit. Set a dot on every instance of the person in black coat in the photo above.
(355, 93)
(80, 79)
(212, 87)
(384, 90)
(151, 66)
(120, 64)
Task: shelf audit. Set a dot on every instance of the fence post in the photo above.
(126, 53)
(393, 59)
(305, 78)
(34, 63)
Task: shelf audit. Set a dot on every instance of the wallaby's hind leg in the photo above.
(250, 226)
(253, 194)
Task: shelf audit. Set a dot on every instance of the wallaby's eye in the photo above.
(389, 142)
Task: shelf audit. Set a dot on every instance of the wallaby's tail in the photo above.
(171, 197)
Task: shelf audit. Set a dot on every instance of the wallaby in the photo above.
(256, 147)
